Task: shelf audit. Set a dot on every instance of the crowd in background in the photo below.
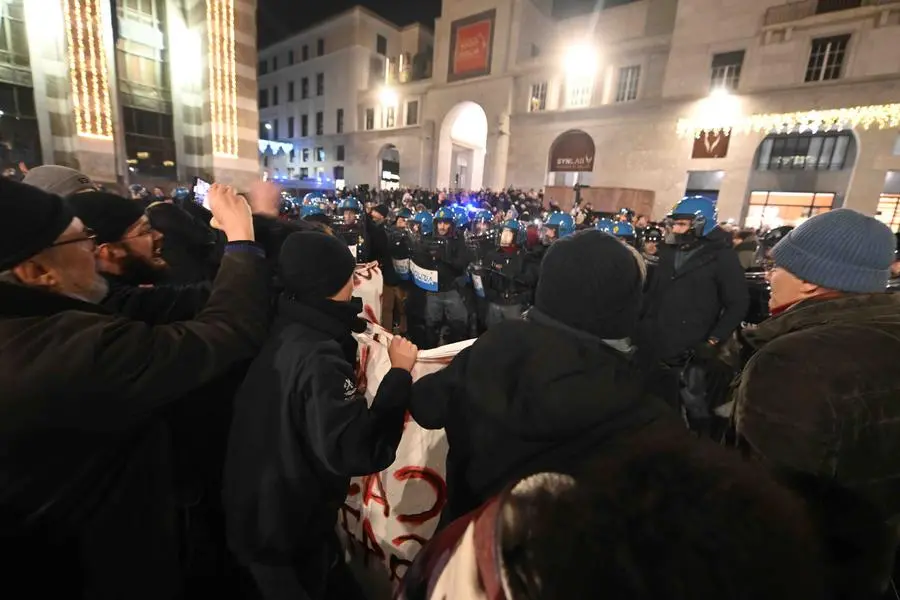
(180, 415)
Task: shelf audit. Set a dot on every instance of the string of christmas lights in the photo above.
(87, 69)
(222, 77)
(880, 116)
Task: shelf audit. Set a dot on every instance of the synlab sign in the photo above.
(573, 151)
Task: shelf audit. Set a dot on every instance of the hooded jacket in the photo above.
(530, 396)
(300, 431)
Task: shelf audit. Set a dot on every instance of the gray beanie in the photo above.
(841, 250)
(59, 180)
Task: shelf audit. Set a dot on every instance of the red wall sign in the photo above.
(471, 46)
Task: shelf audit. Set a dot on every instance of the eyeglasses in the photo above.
(88, 235)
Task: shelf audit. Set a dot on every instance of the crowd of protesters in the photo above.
(180, 415)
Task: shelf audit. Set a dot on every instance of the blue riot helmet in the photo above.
(422, 223)
(700, 212)
(511, 234)
(444, 215)
(626, 215)
(460, 217)
(404, 213)
(623, 229)
(561, 224)
(605, 225)
(481, 222)
(314, 213)
(313, 198)
(350, 203)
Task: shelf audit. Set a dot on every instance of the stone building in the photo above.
(778, 110)
(131, 91)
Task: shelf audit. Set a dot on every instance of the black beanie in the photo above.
(107, 214)
(382, 210)
(315, 265)
(590, 281)
(33, 220)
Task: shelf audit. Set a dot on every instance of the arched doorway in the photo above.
(462, 147)
(388, 167)
(571, 159)
(796, 176)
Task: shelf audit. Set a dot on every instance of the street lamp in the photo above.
(580, 60)
(387, 97)
(269, 126)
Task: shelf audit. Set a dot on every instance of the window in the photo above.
(390, 114)
(774, 209)
(579, 92)
(274, 63)
(262, 67)
(274, 129)
(381, 45)
(339, 152)
(304, 172)
(538, 100)
(338, 173)
(305, 155)
(263, 131)
(304, 125)
(629, 79)
(263, 98)
(304, 88)
(320, 123)
(142, 64)
(826, 58)
(290, 91)
(293, 155)
(806, 151)
(13, 36)
(370, 119)
(304, 53)
(412, 113)
(320, 154)
(275, 96)
(320, 84)
(320, 47)
(290, 57)
(726, 70)
(340, 120)
(535, 51)
(290, 132)
(889, 211)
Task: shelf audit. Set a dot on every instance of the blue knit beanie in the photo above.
(841, 250)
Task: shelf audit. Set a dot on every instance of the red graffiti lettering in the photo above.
(374, 484)
(343, 513)
(353, 489)
(409, 537)
(361, 366)
(438, 485)
(369, 313)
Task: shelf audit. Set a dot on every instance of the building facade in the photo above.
(778, 110)
(130, 91)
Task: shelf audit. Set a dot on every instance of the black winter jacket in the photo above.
(706, 298)
(83, 462)
(530, 396)
(300, 431)
(449, 256)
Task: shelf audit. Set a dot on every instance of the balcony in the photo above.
(794, 11)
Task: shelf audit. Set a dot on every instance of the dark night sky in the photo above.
(278, 19)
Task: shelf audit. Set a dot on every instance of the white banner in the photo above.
(368, 284)
(387, 517)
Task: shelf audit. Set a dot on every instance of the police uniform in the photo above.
(509, 280)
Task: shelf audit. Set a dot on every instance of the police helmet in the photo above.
(425, 222)
(563, 223)
(313, 198)
(623, 230)
(350, 203)
(312, 210)
(181, 194)
(605, 225)
(700, 210)
(445, 213)
(483, 216)
(460, 216)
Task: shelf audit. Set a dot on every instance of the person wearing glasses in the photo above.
(86, 502)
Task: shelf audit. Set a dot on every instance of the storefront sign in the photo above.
(471, 45)
(711, 144)
(573, 151)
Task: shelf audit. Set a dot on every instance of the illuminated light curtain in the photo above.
(87, 68)
(222, 78)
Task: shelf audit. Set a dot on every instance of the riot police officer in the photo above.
(558, 225)
(650, 241)
(437, 266)
(506, 277)
(393, 305)
(351, 227)
(420, 230)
